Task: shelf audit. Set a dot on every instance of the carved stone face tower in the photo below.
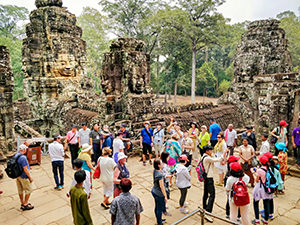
(54, 57)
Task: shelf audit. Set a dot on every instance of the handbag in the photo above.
(254, 162)
(246, 166)
(97, 172)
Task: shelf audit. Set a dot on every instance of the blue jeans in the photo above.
(58, 165)
(160, 206)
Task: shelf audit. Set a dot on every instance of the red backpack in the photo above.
(240, 193)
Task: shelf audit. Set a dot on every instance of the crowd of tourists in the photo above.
(98, 154)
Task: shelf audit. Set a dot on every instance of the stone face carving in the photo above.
(264, 87)
(6, 105)
(126, 66)
(54, 59)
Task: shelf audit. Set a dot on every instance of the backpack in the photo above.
(240, 193)
(13, 169)
(271, 183)
(273, 139)
(202, 175)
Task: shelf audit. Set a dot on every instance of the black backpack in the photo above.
(13, 169)
(274, 139)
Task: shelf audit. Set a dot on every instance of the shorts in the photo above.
(108, 188)
(147, 148)
(158, 149)
(23, 185)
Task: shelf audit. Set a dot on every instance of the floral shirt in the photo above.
(125, 207)
(282, 159)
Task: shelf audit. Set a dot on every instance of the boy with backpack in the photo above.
(236, 186)
(18, 168)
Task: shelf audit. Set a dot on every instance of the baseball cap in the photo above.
(22, 147)
(283, 123)
(123, 125)
(57, 136)
(233, 158)
(74, 125)
(263, 160)
(235, 166)
(84, 124)
(269, 155)
(184, 157)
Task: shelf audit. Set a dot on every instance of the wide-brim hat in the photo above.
(121, 155)
(105, 132)
(22, 147)
(86, 147)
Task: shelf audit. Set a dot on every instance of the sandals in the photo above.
(27, 207)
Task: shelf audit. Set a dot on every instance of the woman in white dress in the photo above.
(220, 150)
(107, 166)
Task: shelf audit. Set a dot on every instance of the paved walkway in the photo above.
(53, 207)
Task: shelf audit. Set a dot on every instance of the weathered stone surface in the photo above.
(6, 107)
(53, 63)
(44, 3)
(264, 88)
(125, 67)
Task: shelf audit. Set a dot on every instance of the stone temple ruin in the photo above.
(264, 88)
(58, 92)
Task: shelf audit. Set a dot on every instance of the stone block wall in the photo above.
(7, 141)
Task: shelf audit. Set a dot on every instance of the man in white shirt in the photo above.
(265, 145)
(230, 137)
(118, 146)
(56, 151)
(84, 135)
(209, 188)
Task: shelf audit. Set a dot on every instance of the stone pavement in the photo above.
(53, 207)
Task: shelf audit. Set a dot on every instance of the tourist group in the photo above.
(98, 154)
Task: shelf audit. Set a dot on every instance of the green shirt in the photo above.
(80, 207)
(204, 138)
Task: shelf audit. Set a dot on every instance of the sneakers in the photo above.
(270, 216)
(239, 219)
(227, 217)
(209, 219)
(183, 210)
(150, 162)
(185, 204)
(264, 221)
(56, 188)
(167, 214)
(144, 163)
(255, 221)
(60, 187)
(262, 211)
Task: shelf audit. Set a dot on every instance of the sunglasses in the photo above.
(218, 137)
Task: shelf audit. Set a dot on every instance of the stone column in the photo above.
(7, 136)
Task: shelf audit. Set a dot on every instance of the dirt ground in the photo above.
(185, 100)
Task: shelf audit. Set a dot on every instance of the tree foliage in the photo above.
(12, 20)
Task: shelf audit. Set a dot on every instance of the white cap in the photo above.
(121, 155)
(86, 147)
(22, 147)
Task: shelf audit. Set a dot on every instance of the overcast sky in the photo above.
(236, 10)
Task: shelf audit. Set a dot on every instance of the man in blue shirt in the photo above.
(24, 181)
(146, 142)
(214, 130)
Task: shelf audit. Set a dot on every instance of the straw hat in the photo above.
(121, 155)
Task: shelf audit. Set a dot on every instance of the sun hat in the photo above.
(269, 155)
(204, 127)
(123, 125)
(233, 158)
(107, 150)
(105, 133)
(57, 136)
(235, 166)
(121, 155)
(184, 157)
(86, 147)
(283, 123)
(22, 147)
(263, 160)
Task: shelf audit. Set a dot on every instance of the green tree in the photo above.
(10, 36)
(93, 25)
(206, 78)
(196, 20)
(291, 23)
(223, 87)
